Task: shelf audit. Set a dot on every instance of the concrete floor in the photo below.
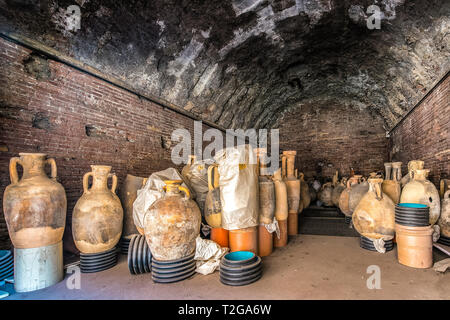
(310, 267)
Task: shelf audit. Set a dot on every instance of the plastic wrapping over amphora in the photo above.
(98, 215)
(34, 205)
(127, 195)
(291, 181)
(172, 223)
(281, 202)
(420, 190)
(374, 216)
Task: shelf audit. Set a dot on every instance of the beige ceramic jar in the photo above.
(98, 215)
(420, 190)
(34, 205)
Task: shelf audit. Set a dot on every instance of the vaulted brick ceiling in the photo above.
(242, 63)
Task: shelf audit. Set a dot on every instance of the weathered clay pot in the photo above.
(34, 206)
(97, 217)
(305, 196)
(374, 217)
(392, 187)
(292, 183)
(325, 193)
(412, 165)
(345, 194)
(127, 195)
(337, 190)
(444, 219)
(444, 185)
(356, 193)
(420, 190)
(388, 170)
(172, 223)
(281, 203)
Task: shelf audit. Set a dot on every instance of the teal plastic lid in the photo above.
(412, 205)
(239, 255)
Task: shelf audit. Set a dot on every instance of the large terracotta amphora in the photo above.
(412, 165)
(293, 190)
(337, 190)
(345, 194)
(281, 209)
(34, 205)
(128, 194)
(172, 223)
(444, 219)
(35, 213)
(420, 190)
(392, 187)
(98, 215)
(325, 193)
(374, 216)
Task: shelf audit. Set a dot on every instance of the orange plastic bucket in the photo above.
(244, 240)
(220, 236)
(265, 241)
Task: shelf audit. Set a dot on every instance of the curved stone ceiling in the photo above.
(242, 63)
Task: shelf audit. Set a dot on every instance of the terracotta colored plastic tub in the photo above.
(220, 236)
(265, 242)
(414, 246)
(292, 224)
(244, 240)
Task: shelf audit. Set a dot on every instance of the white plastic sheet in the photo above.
(238, 184)
(196, 175)
(208, 255)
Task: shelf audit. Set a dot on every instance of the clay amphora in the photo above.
(325, 193)
(337, 190)
(98, 216)
(444, 185)
(292, 183)
(420, 190)
(444, 219)
(374, 217)
(172, 223)
(392, 187)
(281, 209)
(345, 194)
(412, 165)
(388, 170)
(356, 193)
(266, 190)
(34, 205)
(305, 197)
(127, 195)
(281, 202)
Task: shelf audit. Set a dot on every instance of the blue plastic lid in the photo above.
(412, 205)
(239, 255)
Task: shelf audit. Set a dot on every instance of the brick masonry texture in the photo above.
(79, 120)
(425, 134)
(330, 138)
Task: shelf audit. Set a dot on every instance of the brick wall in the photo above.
(425, 134)
(49, 107)
(330, 137)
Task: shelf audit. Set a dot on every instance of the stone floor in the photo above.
(310, 267)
